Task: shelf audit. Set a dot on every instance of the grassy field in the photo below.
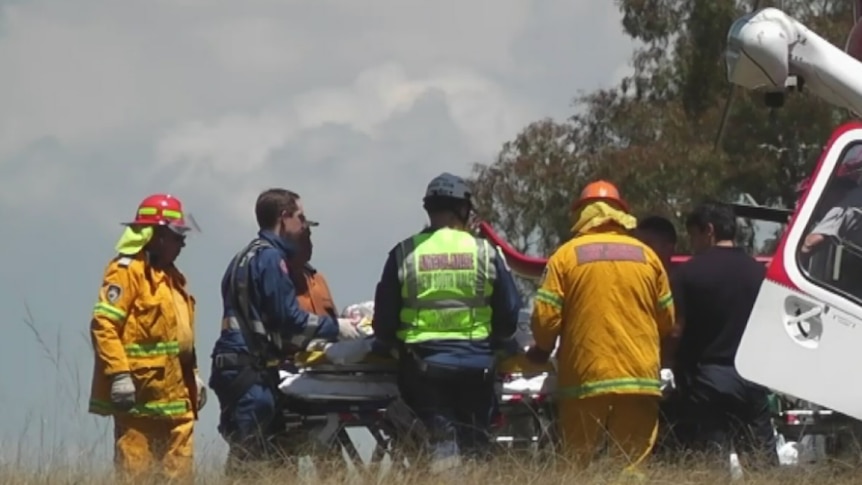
(505, 470)
(50, 464)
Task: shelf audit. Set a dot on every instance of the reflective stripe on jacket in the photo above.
(137, 327)
(446, 278)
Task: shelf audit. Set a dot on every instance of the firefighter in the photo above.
(145, 373)
(607, 297)
(444, 299)
(262, 325)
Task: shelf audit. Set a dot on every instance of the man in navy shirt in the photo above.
(714, 293)
(262, 324)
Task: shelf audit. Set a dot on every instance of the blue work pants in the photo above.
(249, 424)
(454, 404)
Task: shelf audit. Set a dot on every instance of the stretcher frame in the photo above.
(528, 417)
(326, 430)
(324, 420)
(802, 419)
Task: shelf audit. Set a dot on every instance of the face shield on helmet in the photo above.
(167, 211)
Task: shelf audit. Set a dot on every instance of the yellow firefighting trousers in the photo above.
(146, 445)
(626, 424)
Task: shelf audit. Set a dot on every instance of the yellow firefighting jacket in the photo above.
(607, 297)
(143, 323)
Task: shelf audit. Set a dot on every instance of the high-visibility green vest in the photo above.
(447, 277)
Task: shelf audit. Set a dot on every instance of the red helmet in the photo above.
(161, 210)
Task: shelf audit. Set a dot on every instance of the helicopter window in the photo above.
(830, 251)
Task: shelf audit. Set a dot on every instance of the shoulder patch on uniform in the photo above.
(124, 262)
(283, 266)
(113, 293)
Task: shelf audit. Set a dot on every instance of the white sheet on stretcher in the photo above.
(347, 387)
(310, 386)
(351, 386)
(333, 387)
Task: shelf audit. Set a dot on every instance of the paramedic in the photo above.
(715, 292)
(312, 291)
(444, 300)
(606, 296)
(142, 330)
(262, 325)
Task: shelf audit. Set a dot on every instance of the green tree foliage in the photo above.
(654, 133)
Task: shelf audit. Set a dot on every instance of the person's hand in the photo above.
(202, 392)
(347, 330)
(123, 391)
(537, 356)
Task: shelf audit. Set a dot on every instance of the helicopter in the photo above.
(808, 313)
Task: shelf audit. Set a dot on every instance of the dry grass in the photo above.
(515, 468)
(503, 472)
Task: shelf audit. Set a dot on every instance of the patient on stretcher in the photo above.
(367, 369)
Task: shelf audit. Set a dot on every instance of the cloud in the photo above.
(354, 105)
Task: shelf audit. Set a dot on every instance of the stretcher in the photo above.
(525, 396)
(322, 401)
(809, 433)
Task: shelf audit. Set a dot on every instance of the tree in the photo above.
(654, 134)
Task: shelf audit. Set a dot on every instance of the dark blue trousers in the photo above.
(455, 405)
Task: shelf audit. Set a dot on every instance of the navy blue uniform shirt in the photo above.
(714, 292)
(505, 305)
(273, 294)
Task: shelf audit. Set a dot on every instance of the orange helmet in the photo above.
(600, 190)
(161, 210)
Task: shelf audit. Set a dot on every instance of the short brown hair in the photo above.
(270, 205)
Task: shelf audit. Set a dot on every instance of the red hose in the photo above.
(532, 267)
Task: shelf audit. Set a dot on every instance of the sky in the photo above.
(354, 105)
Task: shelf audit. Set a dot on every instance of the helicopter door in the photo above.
(804, 335)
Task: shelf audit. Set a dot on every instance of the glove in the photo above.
(347, 330)
(123, 391)
(202, 392)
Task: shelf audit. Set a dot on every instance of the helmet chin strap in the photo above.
(154, 256)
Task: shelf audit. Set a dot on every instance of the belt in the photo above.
(434, 369)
